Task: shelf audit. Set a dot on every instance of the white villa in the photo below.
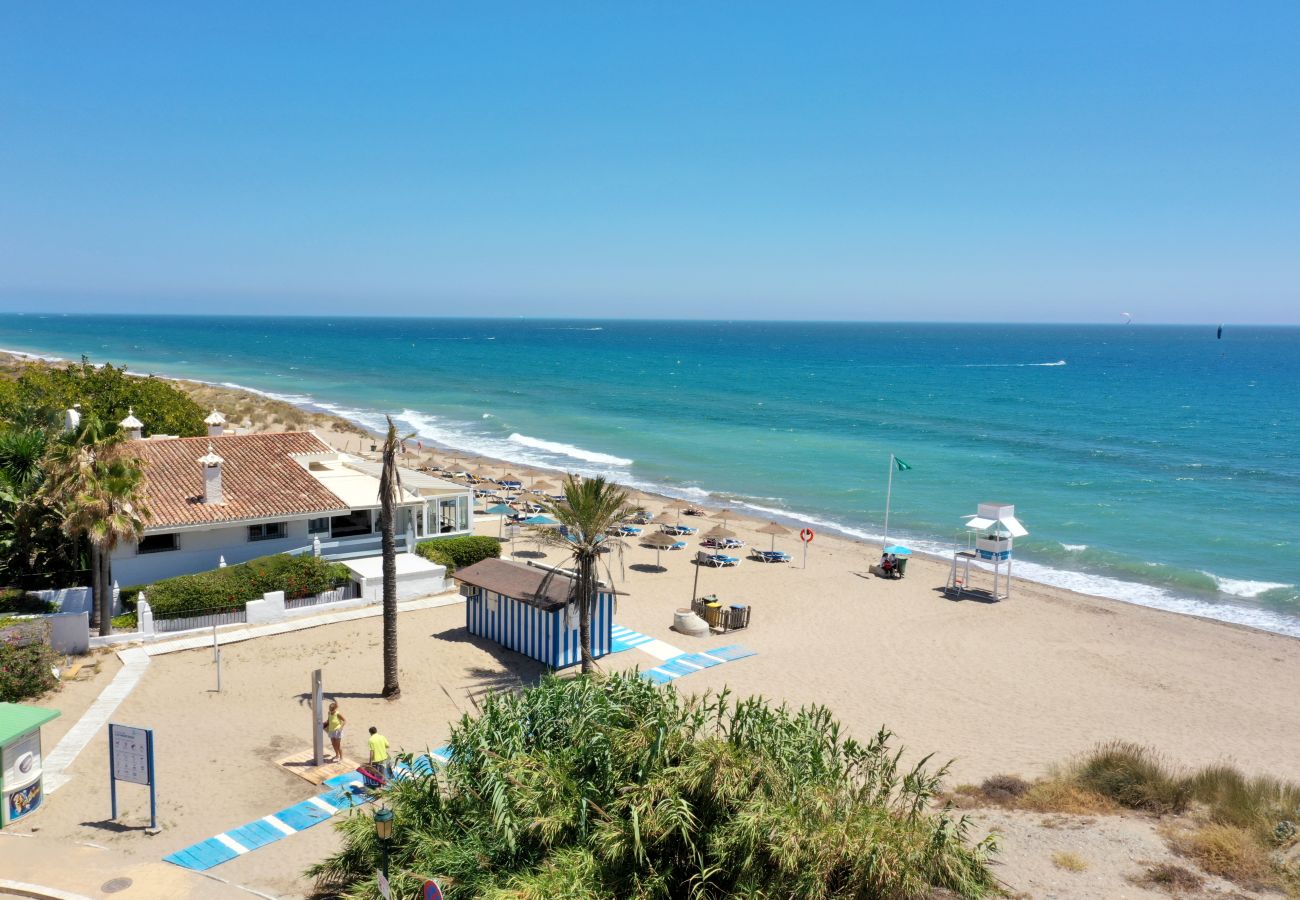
(234, 497)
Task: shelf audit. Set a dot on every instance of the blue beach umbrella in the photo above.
(502, 510)
(540, 520)
(898, 551)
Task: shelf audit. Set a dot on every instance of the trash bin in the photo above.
(902, 566)
(739, 616)
(713, 614)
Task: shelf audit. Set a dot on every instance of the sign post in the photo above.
(130, 758)
(700, 557)
(317, 729)
(806, 535)
(216, 656)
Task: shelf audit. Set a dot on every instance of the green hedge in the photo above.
(459, 552)
(232, 587)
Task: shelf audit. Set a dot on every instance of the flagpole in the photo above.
(888, 494)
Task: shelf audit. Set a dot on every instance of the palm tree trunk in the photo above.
(96, 587)
(106, 579)
(388, 547)
(586, 596)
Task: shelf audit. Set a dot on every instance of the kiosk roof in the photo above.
(16, 719)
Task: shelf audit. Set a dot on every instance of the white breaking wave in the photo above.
(591, 456)
(1240, 588)
(1059, 362)
(1075, 548)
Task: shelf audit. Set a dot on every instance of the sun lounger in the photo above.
(680, 545)
(770, 556)
(723, 543)
(718, 561)
(628, 530)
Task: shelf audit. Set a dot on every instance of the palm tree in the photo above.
(590, 508)
(99, 488)
(390, 491)
(21, 452)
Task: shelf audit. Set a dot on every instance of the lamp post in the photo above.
(384, 831)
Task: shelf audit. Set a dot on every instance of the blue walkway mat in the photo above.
(626, 639)
(346, 792)
(683, 665)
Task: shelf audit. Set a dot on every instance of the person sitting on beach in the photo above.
(889, 564)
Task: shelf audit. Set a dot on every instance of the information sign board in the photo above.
(130, 759)
(130, 753)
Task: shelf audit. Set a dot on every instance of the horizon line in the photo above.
(41, 314)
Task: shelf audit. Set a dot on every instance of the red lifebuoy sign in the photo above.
(807, 535)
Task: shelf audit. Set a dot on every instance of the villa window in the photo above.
(156, 543)
(318, 526)
(354, 524)
(269, 531)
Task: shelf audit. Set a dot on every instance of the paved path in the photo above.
(136, 659)
(134, 662)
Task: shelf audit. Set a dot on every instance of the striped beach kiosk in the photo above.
(531, 611)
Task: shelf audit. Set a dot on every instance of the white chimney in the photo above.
(212, 477)
(131, 425)
(216, 423)
(72, 418)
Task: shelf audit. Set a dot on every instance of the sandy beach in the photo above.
(1009, 687)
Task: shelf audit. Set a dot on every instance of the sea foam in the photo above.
(591, 456)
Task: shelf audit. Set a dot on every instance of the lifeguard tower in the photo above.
(990, 533)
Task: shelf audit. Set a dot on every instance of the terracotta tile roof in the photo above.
(259, 479)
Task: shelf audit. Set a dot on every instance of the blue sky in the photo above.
(1008, 161)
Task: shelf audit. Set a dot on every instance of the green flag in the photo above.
(902, 466)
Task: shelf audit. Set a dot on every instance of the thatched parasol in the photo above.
(660, 542)
(774, 529)
(724, 515)
(717, 533)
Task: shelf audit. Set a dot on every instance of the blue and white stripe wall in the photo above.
(544, 636)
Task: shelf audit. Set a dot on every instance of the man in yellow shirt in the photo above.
(379, 752)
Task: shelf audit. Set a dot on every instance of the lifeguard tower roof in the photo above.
(990, 515)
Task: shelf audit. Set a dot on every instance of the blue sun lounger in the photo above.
(718, 561)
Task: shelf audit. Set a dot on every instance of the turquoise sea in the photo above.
(1158, 465)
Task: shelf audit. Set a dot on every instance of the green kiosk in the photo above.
(21, 783)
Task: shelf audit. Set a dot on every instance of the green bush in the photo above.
(125, 622)
(611, 787)
(232, 587)
(26, 664)
(459, 552)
